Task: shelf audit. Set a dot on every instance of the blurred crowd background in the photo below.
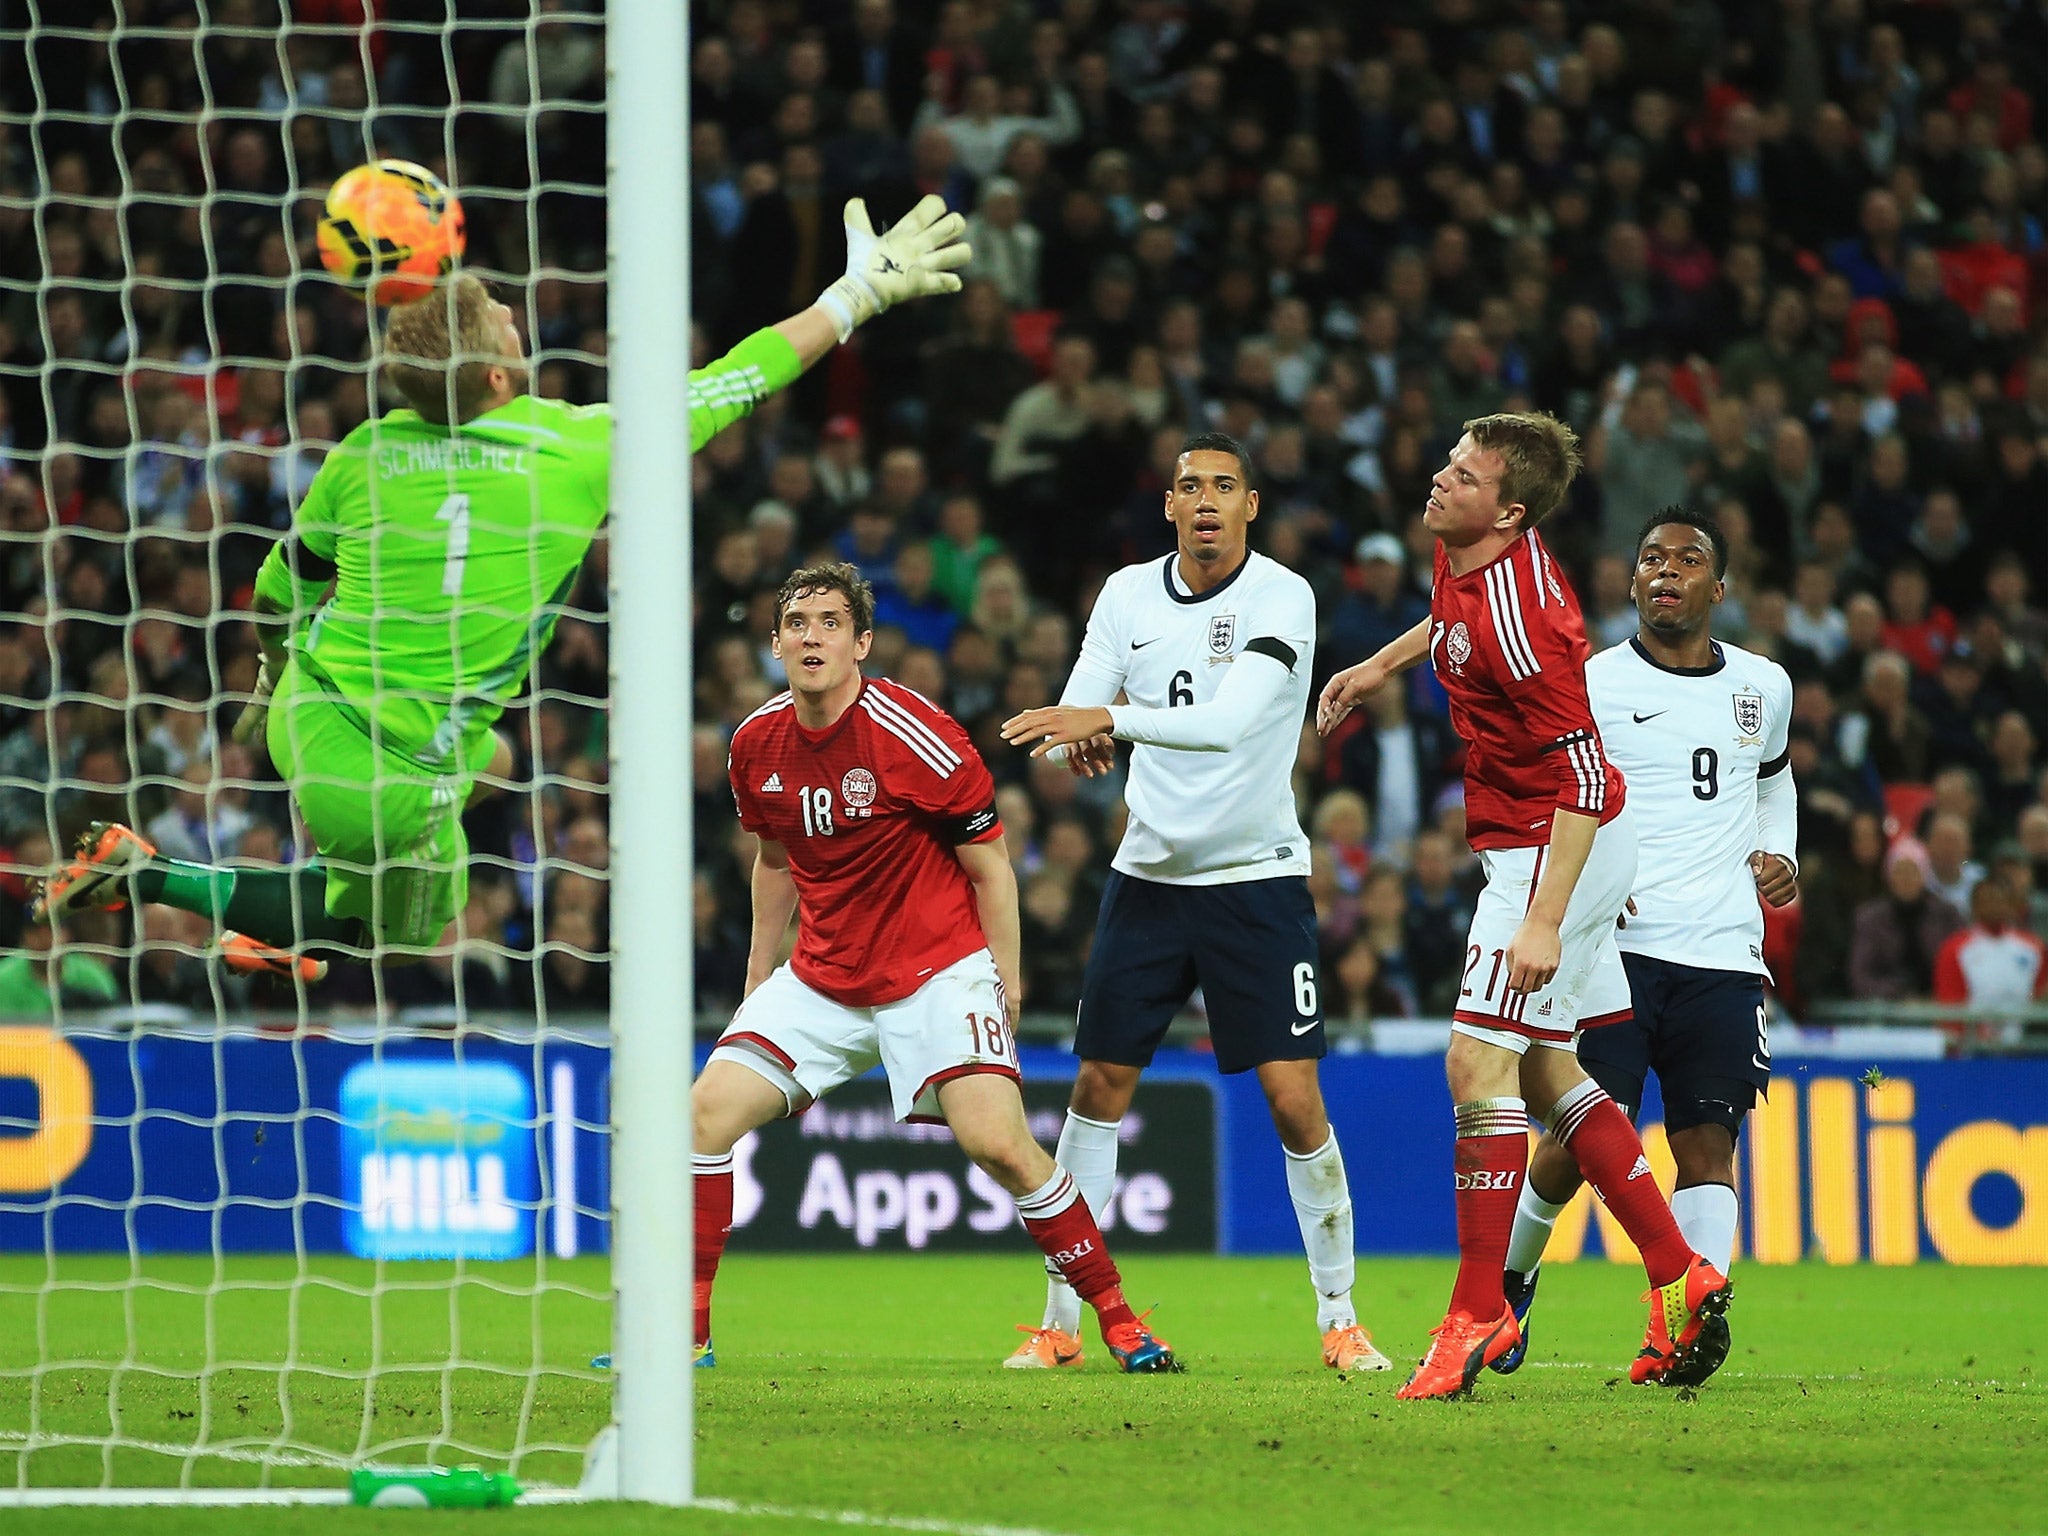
(1782, 260)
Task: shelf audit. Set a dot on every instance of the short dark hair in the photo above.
(1702, 522)
(830, 576)
(1222, 442)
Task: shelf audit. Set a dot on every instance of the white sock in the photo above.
(1706, 1218)
(1087, 1150)
(1534, 1217)
(1322, 1208)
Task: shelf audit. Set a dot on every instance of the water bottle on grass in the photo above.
(437, 1487)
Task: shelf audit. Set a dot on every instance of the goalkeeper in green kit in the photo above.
(418, 584)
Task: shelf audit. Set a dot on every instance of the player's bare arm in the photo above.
(811, 332)
(1095, 757)
(1092, 758)
(1533, 953)
(1355, 684)
(1060, 725)
(995, 902)
(774, 893)
(1218, 724)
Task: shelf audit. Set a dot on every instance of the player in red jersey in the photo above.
(874, 811)
(1546, 814)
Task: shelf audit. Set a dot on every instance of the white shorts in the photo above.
(807, 1044)
(1584, 992)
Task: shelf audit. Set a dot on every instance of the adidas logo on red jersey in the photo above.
(772, 785)
(1641, 1169)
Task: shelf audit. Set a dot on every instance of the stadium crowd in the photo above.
(1783, 260)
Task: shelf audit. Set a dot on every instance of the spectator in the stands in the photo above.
(1994, 963)
(1335, 242)
(46, 974)
(1898, 934)
(1950, 870)
(1382, 606)
(1898, 737)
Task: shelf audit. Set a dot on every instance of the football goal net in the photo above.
(259, 1226)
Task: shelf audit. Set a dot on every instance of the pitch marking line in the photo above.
(2010, 1385)
(856, 1518)
(864, 1520)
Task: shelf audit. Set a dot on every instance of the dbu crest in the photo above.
(1222, 634)
(1749, 713)
(1458, 645)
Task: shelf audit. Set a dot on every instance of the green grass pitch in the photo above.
(1857, 1399)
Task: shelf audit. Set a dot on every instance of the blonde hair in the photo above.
(457, 324)
(1339, 803)
(1539, 457)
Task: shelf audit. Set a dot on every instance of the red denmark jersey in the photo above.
(1509, 645)
(870, 810)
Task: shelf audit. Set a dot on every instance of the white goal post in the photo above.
(652, 1040)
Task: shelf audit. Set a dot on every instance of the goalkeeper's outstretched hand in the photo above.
(920, 255)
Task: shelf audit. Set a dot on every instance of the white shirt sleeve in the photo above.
(1777, 816)
(1099, 670)
(1255, 680)
(1777, 797)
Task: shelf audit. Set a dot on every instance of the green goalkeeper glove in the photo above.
(249, 724)
(918, 256)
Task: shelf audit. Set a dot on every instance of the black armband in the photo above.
(974, 827)
(1776, 765)
(1279, 650)
(304, 564)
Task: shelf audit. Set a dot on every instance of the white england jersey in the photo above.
(1693, 746)
(1205, 817)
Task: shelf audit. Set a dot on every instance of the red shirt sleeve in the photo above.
(946, 778)
(1542, 661)
(1950, 985)
(738, 776)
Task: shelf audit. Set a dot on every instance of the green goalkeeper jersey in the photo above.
(451, 550)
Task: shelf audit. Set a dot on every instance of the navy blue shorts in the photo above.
(1250, 946)
(1702, 1032)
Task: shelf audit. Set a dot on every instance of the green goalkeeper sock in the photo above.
(200, 888)
(256, 902)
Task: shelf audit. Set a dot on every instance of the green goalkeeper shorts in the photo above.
(388, 831)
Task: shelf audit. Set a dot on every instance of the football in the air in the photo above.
(393, 228)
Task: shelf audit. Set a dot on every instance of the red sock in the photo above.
(1492, 1155)
(1610, 1155)
(1059, 1221)
(712, 1193)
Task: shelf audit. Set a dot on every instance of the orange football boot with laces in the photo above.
(96, 879)
(1679, 1312)
(1048, 1349)
(1352, 1349)
(1137, 1351)
(1464, 1346)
